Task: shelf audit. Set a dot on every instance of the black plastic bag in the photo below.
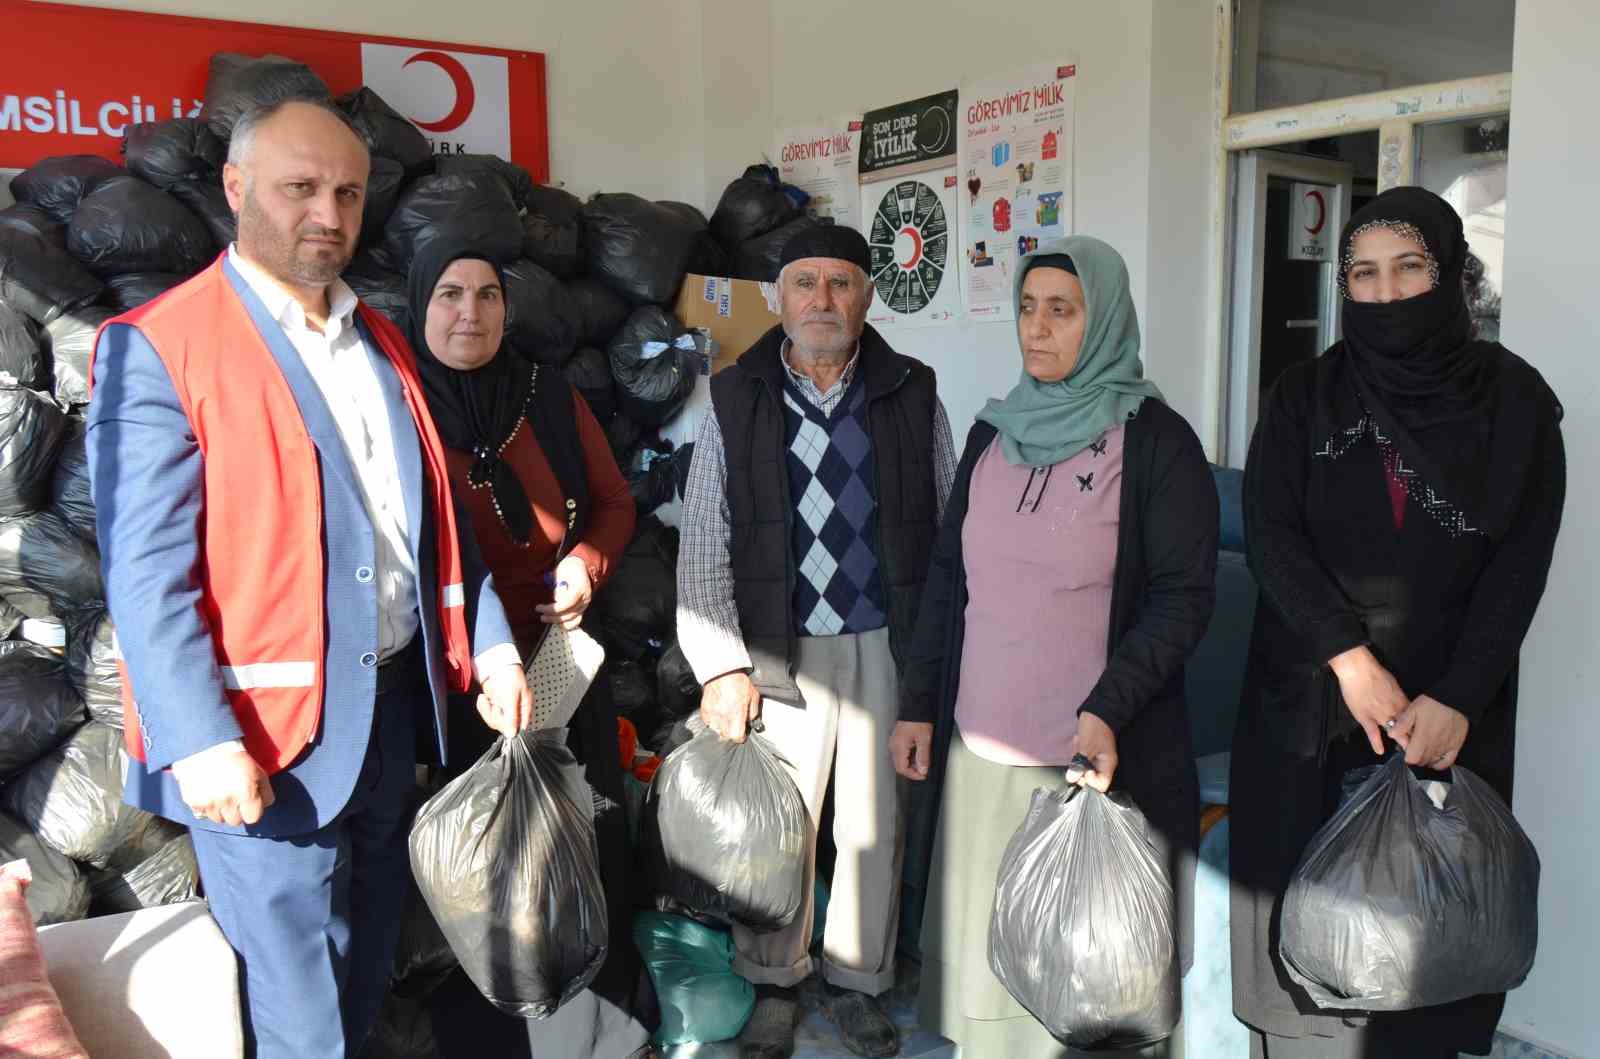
(132, 289)
(169, 876)
(708, 258)
(403, 1030)
(624, 436)
(601, 312)
(38, 277)
(57, 185)
(32, 429)
(177, 151)
(751, 206)
(423, 959)
(637, 248)
(690, 215)
(761, 258)
(476, 206)
(237, 84)
(635, 612)
(72, 799)
(383, 290)
(651, 474)
(125, 225)
(540, 323)
(506, 858)
(70, 338)
(20, 356)
(59, 893)
(47, 570)
(38, 708)
(1082, 931)
(387, 132)
(632, 685)
(552, 231)
(725, 832)
(11, 620)
(210, 203)
(92, 667)
(383, 192)
(589, 371)
(515, 178)
(69, 485)
(654, 362)
(677, 690)
(1398, 904)
(35, 221)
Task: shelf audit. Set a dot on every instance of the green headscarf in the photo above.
(1042, 423)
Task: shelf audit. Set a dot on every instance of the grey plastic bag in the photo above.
(725, 832)
(505, 856)
(1400, 904)
(1082, 933)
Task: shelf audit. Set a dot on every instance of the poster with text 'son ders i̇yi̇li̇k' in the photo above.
(908, 206)
(1016, 175)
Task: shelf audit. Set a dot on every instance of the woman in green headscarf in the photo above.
(1073, 576)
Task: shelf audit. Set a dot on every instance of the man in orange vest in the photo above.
(294, 593)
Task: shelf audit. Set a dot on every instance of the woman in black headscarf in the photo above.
(552, 514)
(1402, 497)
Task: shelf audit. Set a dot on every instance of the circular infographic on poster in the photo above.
(910, 242)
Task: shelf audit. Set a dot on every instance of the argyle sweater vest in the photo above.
(829, 459)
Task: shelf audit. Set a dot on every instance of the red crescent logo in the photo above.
(916, 247)
(1322, 211)
(466, 96)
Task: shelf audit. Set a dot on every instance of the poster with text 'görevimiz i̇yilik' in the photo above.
(1015, 172)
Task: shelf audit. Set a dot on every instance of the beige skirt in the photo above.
(982, 805)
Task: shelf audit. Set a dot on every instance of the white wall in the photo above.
(1550, 281)
(624, 79)
(834, 55)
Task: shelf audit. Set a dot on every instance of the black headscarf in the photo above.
(1464, 413)
(479, 411)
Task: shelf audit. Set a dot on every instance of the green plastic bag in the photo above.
(702, 1000)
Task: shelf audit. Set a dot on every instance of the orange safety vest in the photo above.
(261, 548)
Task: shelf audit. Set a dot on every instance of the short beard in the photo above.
(275, 252)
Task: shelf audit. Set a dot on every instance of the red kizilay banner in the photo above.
(73, 79)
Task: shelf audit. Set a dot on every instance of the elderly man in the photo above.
(817, 484)
(293, 590)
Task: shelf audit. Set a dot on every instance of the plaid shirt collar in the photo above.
(807, 386)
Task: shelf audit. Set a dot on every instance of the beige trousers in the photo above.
(849, 687)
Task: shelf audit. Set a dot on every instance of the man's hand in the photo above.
(729, 704)
(1371, 694)
(911, 748)
(1431, 733)
(573, 593)
(1097, 742)
(224, 786)
(506, 704)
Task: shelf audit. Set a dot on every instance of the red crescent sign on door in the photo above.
(1322, 211)
(74, 78)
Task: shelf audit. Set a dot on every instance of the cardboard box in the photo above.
(737, 312)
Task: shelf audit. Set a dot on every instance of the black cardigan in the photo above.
(1162, 592)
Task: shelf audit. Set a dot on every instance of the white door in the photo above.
(1289, 211)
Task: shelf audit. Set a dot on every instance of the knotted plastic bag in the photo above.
(725, 832)
(505, 857)
(1399, 903)
(1082, 933)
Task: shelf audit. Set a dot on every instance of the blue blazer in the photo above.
(145, 471)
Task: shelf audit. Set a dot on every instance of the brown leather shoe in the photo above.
(770, 1032)
(862, 1024)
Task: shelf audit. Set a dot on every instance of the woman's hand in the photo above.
(1431, 733)
(573, 592)
(911, 748)
(1371, 693)
(1097, 742)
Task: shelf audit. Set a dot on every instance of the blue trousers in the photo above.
(315, 919)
